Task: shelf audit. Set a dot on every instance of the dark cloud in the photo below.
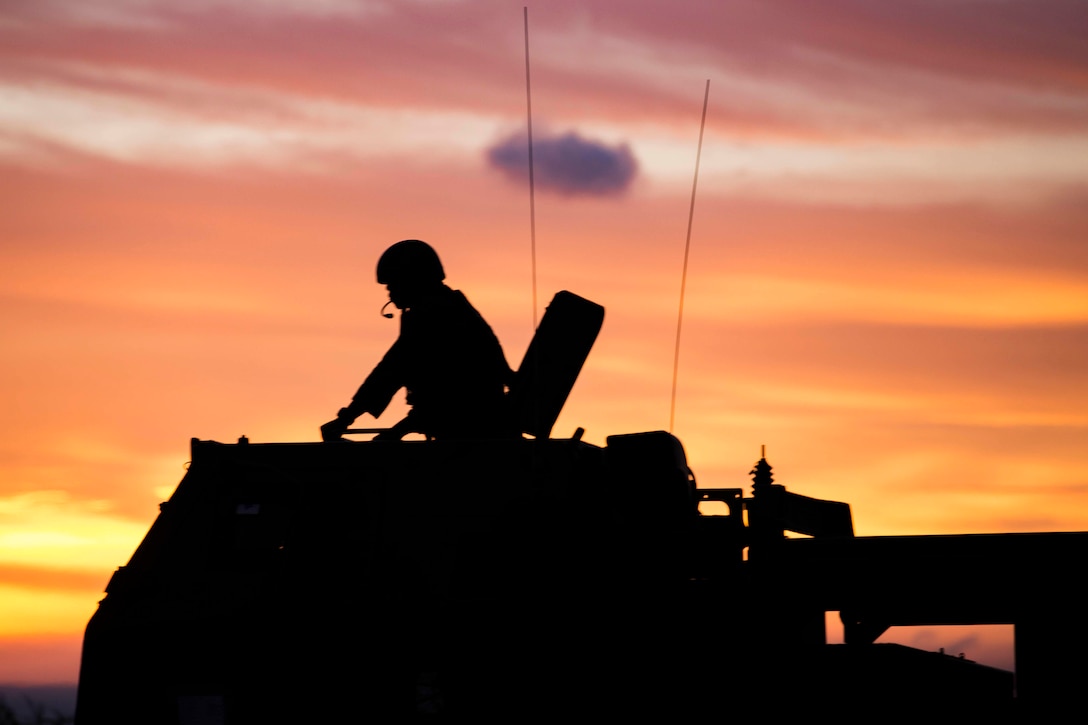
(567, 164)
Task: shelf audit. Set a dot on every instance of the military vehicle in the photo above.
(539, 576)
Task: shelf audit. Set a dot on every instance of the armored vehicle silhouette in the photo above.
(542, 576)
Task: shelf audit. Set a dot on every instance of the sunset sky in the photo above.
(887, 283)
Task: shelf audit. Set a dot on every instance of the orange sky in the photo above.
(888, 280)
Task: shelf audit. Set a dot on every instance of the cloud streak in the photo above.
(849, 69)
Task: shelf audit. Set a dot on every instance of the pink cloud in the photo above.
(845, 71)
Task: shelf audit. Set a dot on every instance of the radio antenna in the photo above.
(687, 247)
(532, 186)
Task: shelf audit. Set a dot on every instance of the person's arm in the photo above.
(373, 395)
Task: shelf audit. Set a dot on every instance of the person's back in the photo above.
(447, 357)
(454, 368)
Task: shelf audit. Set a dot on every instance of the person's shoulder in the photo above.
(454, 294)
(457, 298)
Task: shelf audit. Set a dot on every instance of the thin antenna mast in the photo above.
(687, 247)
(532, 186)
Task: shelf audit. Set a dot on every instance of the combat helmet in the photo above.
(410, 261)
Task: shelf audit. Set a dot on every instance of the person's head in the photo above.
(409, 270)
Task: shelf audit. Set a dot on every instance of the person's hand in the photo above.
(333, 430)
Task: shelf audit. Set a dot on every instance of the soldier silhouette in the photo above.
(446, 357)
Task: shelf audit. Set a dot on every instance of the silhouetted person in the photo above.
(447, 357)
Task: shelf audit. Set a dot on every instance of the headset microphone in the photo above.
(387, 315)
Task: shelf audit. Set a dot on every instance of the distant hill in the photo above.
(39, 703)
